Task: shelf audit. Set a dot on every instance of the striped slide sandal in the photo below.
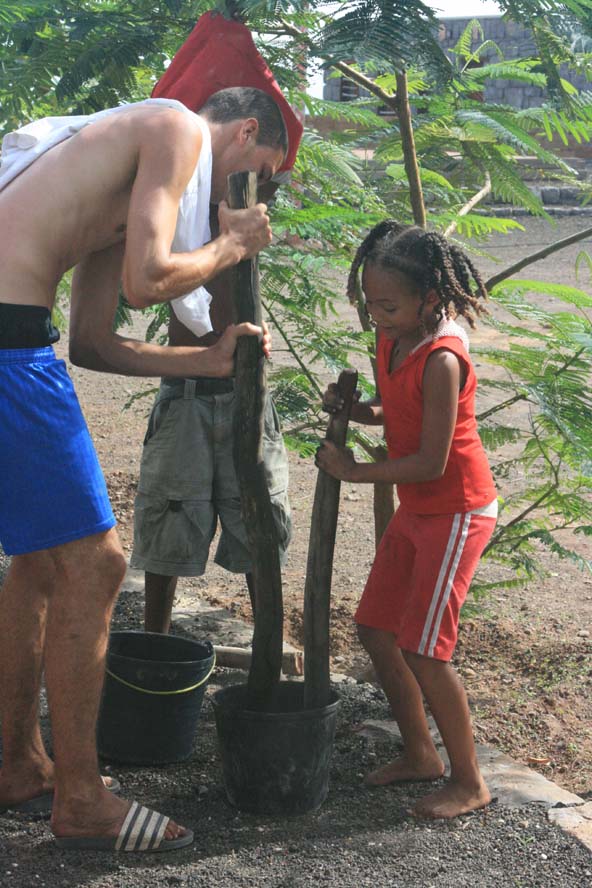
(142, 830)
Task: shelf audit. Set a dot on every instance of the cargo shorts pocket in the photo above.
(177, 458)
(174, 532)
(158, 418)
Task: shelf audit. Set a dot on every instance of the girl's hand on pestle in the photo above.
(338, 462)
(333, 402)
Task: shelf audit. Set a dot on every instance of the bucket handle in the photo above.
(162, 693)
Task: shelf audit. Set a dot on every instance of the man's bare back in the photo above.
(83, 185)
(119, 179)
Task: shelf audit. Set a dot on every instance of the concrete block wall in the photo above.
(514, 40)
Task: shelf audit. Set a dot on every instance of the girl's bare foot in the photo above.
(452, 800)
(405, 769)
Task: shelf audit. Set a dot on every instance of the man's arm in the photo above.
(170, 144)
(94, 345)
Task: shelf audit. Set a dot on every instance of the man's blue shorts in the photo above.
(52, 490)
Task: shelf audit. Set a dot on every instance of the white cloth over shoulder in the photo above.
(22, 148)
(193, 231)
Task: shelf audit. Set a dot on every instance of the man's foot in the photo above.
(143, 830)
(102, 817)
(405, 770)
(33, 778)
(35, 794)
(452, 800)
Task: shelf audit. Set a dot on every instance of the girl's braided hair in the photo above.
(429, 260)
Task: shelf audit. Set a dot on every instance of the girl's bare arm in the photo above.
(441, 382)
(365, 412)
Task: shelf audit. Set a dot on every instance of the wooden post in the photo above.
(384, 493)
(240, 658)
(319, 569)
(251, 394)
(384, 498)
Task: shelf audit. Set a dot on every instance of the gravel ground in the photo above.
(359, 837)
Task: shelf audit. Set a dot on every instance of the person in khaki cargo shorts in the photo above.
(187, 479)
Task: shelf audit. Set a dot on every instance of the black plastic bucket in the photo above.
(275, 762)
(152, 698)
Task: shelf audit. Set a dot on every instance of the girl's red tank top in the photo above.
(467, 482)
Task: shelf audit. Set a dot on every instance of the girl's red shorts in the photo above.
(420, 578)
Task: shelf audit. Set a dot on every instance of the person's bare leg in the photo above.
(160, 596)
(466, 790)
(27, 771)
(420, 759)
(88, 575)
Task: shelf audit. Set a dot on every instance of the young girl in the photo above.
(415, 283)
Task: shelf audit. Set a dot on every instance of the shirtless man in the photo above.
(105, 200)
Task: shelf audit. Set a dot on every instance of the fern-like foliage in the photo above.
(471, 139)
(381, 30)
(547, 365)
(60, 56)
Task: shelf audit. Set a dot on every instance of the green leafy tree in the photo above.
(434, 166)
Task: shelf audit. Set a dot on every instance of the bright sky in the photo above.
(460, 8)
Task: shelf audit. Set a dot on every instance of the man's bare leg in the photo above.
(27, 771)
(420, 759)
(466, 790)
(78, 607)
(160, 596)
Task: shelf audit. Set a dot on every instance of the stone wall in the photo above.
(514, 40)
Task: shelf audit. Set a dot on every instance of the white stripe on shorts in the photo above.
(426, 646)
(445, 598)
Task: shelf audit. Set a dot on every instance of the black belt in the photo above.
(204, 385)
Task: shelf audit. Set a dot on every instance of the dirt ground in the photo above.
(525, 656)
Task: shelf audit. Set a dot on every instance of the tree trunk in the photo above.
(409, 153)
(319, 569)
(250, 395)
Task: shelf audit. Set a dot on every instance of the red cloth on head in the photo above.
(220, 53)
